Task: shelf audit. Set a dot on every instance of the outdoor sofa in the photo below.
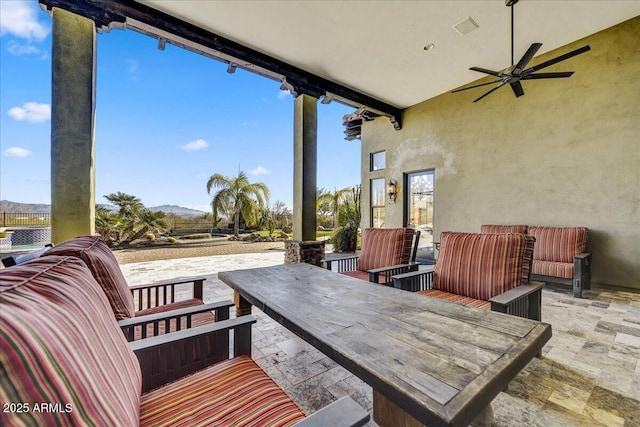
(559, 255)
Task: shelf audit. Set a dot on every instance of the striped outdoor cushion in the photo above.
(383, 247)
(553, 269)
(459, 299)
(105, 269)
(59, 343)
(496, 229)
(236, 392)
(559, 244)
(479, 266)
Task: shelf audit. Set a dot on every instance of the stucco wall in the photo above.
(565, 154)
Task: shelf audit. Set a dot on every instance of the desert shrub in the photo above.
(172, 240)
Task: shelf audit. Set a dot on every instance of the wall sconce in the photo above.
(392, 190)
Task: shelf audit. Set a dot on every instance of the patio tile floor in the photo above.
(588, 375)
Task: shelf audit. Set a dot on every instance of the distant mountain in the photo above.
(9, 206)
(177, 210)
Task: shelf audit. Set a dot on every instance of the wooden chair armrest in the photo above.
(523, 301)
(344, 412)
(414, 281)
(182, 318)
(166, 358)
(584, 256)
(164, 292)
(389, 271)
(346, 263)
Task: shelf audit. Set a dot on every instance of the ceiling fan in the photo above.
(515, 73)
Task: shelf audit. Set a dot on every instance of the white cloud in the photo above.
(133, 66)
(31, 112)
(19, 18)
(259, 171)
(283, 94)
(18, 49)
(198, 144)
(16, 152)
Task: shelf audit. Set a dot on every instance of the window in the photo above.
(377, 203)
(419, 204)
(378, 161)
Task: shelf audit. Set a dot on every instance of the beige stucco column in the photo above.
(305, 159)
(72, 126)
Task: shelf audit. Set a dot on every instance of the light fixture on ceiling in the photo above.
(392, 190)
(428, 46)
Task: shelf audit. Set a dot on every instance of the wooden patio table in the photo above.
(429, 361)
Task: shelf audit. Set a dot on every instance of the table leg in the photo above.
(243, 307)
(387, 414)
(485, 418)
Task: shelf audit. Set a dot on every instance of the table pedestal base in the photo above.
(388, 414)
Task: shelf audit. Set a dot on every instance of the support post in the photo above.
(305, 158)
(73, 95)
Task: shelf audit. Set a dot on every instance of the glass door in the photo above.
(418, 209)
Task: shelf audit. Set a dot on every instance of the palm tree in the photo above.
(238, 195)
(332, 200)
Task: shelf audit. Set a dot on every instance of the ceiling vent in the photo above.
(466, 26)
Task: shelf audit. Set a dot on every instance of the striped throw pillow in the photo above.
(382, 247)
(479, 266)
(60, 345)
(105, 269)
(559, 244)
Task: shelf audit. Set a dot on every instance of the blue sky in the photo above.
(165, 120)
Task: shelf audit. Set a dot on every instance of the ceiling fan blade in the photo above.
(517, 88)
(526, 58)
(549, 75)
(558, 59)
(492, 90)
(484, 70)
(471, 87)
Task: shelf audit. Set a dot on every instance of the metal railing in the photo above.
(12, 219)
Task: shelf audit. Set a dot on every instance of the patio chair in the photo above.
(488, 271)
(157, 310)
(385, 252)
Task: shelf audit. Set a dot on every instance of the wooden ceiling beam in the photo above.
(108, 14)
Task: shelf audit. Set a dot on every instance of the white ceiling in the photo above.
(376, 47)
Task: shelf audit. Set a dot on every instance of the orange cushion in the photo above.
(458, 299)
(480, 266)
(236, 392)
(105, 269)
(383, 247)
(559, 244)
